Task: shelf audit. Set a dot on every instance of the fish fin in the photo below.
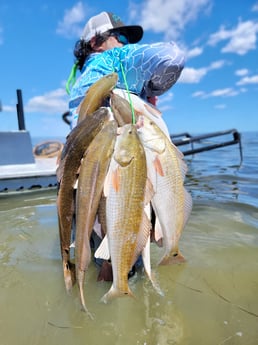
(106, 185)
(155, 285)
(149, 191)
(80, 276)
(158, 230)
(72, 245)
(113, 293)
(146, 258)
(75, 186)
(103, 250)
(147, 266)
(158, 166)
(105, 272)
(142, 236)
(69, 275)
(174, 257)
(97, 227)
(152, 110)
(116, 179)
(147, 210)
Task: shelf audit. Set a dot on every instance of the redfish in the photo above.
(96, 94)
(93, 171)
(171, 202)
(73, 151)
(125, 207)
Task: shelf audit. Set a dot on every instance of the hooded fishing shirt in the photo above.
(147, 69)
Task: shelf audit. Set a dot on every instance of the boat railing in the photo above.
(204, 145)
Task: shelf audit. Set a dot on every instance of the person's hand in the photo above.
(153, 100)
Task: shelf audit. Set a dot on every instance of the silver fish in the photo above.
(171, 202)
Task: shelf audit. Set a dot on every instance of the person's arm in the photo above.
(97, 66)
(155, 67)
(167, 67)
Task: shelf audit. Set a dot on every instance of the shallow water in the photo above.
(210, 299)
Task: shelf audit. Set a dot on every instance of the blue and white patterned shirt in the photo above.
(150, 70)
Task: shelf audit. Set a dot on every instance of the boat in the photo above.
(24, 167)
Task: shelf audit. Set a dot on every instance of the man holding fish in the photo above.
(115, 67)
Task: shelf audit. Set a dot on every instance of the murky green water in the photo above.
(210, 299)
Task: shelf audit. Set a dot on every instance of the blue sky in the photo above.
(217, 90)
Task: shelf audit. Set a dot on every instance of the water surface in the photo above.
(210, 299)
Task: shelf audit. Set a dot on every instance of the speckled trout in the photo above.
(93, 171)
(171, 202)
(96, 94)
(125, 207)
(82, 136)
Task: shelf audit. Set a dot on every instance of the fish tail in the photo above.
(174, 257)
(155, 285)
(69, 275)
(82, 300)
(114, 292)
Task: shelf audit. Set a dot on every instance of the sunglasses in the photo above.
(120, 37)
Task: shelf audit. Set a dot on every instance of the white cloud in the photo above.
(255, 7)
(51, 102)
(72, 22)
(167, 97)
(241, 72)
(240, 39)
(226, 92)
(243, 89)
(217, 64)
(248, 80)
(198, 94)
(169, 17)
(191, 75)
(165, 101)
(220, 106)
(9, 108)
(194, 52)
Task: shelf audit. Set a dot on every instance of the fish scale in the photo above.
(96, 94)
(90, 185)
(171, 202)
(125, 206)
(74, 150)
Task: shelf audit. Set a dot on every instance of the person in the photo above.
(108, 45)
(148, 70)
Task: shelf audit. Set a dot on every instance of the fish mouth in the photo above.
(124, 162)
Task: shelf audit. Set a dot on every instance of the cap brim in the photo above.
(134, 33)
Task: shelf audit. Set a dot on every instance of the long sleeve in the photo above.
(147, 69)
(154, 68)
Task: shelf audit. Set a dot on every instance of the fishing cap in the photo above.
(107, 21)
